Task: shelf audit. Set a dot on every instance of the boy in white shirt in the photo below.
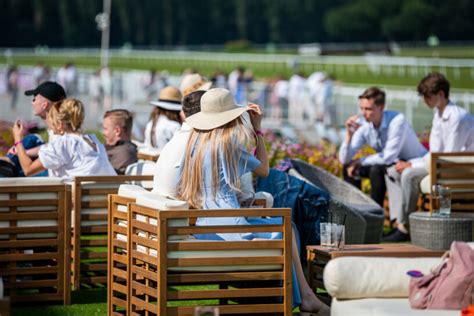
(452, 131)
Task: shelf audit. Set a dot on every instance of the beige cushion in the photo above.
(382, 307)
(363, 277)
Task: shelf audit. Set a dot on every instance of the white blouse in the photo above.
(70, 155)
(164, 131)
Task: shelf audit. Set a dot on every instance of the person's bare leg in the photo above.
(309, 301)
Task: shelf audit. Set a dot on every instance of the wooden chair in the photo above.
(148, 156)
(35, 241)
(90, 202)
(5, 306)
(456, 171)
(166, 266)
(118, 285)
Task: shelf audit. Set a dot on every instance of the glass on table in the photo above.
(444, 201)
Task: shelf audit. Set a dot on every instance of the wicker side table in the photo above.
(437, 233)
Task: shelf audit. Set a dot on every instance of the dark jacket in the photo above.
(308, 203)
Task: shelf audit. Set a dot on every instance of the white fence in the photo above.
(128, 91)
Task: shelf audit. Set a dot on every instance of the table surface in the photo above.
(376, 250)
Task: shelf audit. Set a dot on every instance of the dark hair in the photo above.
(123, 118)
(432, 84)
(155, 114)
(374, 93)
(192, 103)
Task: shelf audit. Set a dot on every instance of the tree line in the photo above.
(71, 23)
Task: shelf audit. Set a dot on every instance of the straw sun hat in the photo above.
(193, 82)
(217, 108)
(169, 99)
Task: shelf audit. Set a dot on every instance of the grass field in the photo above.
(354, 74)
(441, 52)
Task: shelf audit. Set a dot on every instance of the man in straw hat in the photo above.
(164, 120)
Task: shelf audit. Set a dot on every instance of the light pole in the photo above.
(103, 24)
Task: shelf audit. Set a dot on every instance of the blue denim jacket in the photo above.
(309, 204)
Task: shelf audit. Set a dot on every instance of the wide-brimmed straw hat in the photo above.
(169, 99)
(217, 108)
(193, 82)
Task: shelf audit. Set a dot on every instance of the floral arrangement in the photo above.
(323, 155)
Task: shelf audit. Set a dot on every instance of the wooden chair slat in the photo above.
(224, 277)
(222, 293)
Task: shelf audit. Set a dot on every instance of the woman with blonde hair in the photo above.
(216, 157)
(70, 154)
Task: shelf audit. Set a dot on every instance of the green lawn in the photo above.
(441, 52)
(356, 74)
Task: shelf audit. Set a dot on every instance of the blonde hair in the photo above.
(229, 140)
(122, 118)
(70, 112)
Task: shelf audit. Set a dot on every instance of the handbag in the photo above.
(449, 285)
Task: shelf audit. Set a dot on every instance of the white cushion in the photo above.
(266, 196)
(31, 223)
(362, 277)
(216, 254)
(425, 185)
(131, 191)
(158, 202)
(27, 181)
(382, 307)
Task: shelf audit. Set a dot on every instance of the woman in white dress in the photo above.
(70, 154)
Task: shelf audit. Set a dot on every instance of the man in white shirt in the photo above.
(452, 131)
(167, 169)
(388, 132)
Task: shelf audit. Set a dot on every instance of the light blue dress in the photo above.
(226, 198)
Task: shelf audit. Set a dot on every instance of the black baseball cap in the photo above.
(50, 90)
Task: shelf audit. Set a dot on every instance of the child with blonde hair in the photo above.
(71, 153)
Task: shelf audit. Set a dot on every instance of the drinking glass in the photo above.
(444, 201)
(435, 197)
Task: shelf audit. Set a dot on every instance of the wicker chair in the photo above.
(365, 217)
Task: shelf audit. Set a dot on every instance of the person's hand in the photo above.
(256, 115)
(354, 168)
(352, 125)
(402, 165)
(17, 131)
